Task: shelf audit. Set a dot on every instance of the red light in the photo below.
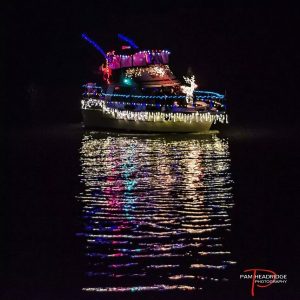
(125, 47)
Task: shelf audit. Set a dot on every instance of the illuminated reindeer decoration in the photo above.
(189, 90)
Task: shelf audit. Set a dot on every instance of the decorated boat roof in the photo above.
(137, 59)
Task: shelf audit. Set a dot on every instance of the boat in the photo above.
(140, 93)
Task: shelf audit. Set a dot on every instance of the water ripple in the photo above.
(157, 209)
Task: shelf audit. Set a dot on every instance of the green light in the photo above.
(127, 81)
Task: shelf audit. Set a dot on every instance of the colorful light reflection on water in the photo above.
(156, 212)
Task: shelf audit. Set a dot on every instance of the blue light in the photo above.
(94, 44)
(213, 94)
(92, 86)
(129, 41)
(207, 95)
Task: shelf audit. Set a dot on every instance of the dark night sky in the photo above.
(249, 51)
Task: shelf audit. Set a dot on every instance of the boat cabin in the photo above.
(138, 59)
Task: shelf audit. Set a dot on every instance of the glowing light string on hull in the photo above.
(154, 116)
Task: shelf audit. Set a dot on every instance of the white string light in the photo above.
(154, 70)
(149, 116)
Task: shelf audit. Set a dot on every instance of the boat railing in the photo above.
(212, 96)
(203, 100)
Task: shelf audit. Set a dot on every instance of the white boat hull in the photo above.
(96, 118)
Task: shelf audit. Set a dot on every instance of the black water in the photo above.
(184, 215)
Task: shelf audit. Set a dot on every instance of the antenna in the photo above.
(129, 41)
(84, 36)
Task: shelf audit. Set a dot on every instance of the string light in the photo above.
(213, 94)
(149, 116)
(140, 58)
(200, 97)
(153, 70)
(144, 96)
(198, 93)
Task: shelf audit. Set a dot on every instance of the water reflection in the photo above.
(156, 212)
